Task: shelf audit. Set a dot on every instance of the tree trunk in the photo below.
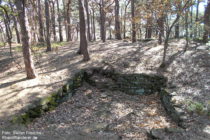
(88, 20)
(177, 30)
(59, 22)
(68, 18)
(125, 14)
(186, 29)
(161, 29)
(196, 17)
(206, 23)
(16, 30)
(94, 26)
(165, 49)
(29, 66)
(110, 29)
(191, 20)
(15, 23)
(149, 28)
(8, 33)
(102, 21)
(117, 21)
(53, 20)
(65, 18)
(47, 14)
(41, 29)
(133, 21)
(83, 40)
(168, 32)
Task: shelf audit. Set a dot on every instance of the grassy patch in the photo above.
(2, 44)
(198, 108)
(41, 46)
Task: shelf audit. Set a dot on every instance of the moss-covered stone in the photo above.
(51, 102)
(139, 83)
(169, 107)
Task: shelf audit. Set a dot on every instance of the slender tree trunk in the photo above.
(88, 20)
(59, 22)
(83, 40)
(161, 29)
(110, 29)
(53, 20)
(165, 49)
(206, 23)
(125, 15)
(191, 20)
(124, 26)
(102, 21)
(149, 28)
(41, 28)
(29, 66)
(15, 23)
(168, 32)
(186, 29)
(117, 21)
(65, 18)
(68, 18)
(196, 17)
(8, 34)
(133, 21)
(177, 30)
(94, 26)
(47, 14)
(16, 31)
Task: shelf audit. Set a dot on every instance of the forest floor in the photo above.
(188, 72)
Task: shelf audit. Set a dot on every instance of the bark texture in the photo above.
(29, 66)
(117, 21)
(47, 14)
(41, 28)
(83, 40)
(206, 23)
(133, 21)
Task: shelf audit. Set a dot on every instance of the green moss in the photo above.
(26, 118)
(196, 107)
(36, 112)
(17, 120)
(66, 88)
(45, 100)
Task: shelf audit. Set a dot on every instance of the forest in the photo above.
(105, 69)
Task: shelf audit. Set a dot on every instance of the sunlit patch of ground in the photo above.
(188, 71)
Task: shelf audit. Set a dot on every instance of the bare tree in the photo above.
(169, 27)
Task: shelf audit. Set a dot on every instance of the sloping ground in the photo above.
(187, 72)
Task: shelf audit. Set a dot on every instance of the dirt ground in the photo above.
(92, 110)
(188, 73)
